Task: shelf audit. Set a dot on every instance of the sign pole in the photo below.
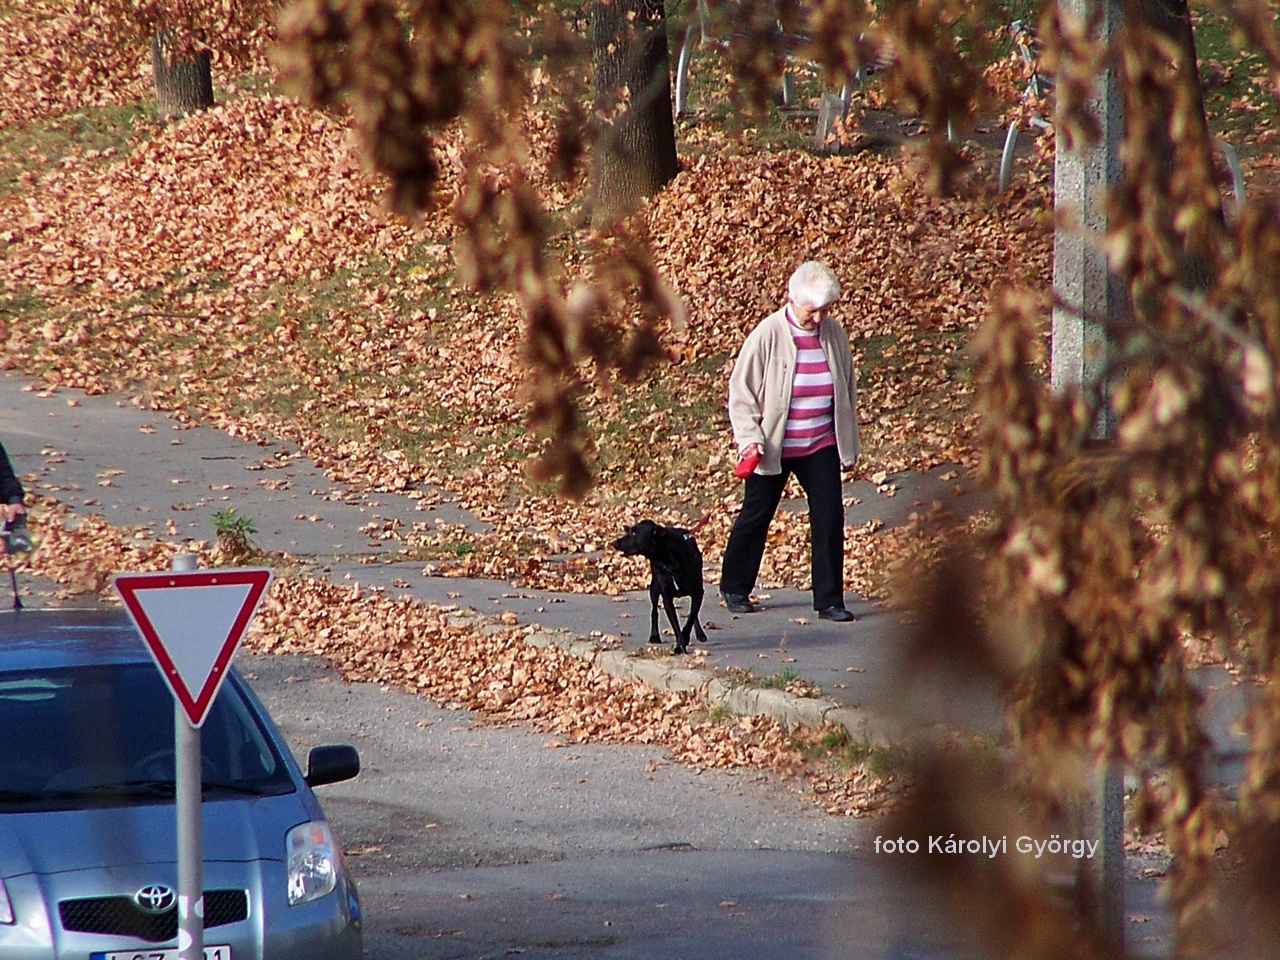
(189, 791)
(190, 840)
(192, 621)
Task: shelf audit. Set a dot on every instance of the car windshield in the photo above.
(103, 734)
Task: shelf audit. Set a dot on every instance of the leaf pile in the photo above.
(194, 201)
(50, 64)
(461, 659)
(239, 268)
(59, 56)
(82, 554)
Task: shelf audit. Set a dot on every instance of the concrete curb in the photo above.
(788, 709)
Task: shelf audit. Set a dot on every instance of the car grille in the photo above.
(120, 916)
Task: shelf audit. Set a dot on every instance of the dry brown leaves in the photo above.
(57, 56)
(194, 200)
(266, 194)
(49, 64)
(459, 658)
(82, 554)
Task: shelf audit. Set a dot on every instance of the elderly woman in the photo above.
(793, 404)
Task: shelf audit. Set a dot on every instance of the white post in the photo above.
(1108, 873)
(188, 790)
(1092, 296)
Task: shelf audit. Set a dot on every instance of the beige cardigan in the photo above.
(760, 389)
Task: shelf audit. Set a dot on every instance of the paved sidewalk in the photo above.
(103, 455)
(139, 467)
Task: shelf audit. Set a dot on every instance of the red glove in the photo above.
(747, 465)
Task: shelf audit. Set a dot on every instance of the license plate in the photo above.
(217, 952)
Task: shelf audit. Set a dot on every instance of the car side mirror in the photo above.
(332, 763)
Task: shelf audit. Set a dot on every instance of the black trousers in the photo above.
(819, 475)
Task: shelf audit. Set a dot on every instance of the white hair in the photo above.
(813, 284)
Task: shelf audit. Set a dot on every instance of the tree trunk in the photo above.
(1188, 158)
(636, 154)
(1172, 20)
(183, 86)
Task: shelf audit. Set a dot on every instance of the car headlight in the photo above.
(6, 906)
(312, 857)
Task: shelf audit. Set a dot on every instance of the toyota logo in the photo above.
(156, 898)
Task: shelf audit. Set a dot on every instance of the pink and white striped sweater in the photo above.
(811, 416)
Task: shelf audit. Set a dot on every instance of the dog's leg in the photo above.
(682, 636)
(655, 592)
(695, 604)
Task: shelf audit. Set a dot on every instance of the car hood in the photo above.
(55, 841)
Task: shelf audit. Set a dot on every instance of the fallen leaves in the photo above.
(459, 658)
(284, 208)
(237, 268)
(456, 657)
(131, 229)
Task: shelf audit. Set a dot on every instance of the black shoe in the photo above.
(836, 614)
(738, 603)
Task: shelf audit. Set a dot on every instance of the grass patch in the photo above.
(99, 134)
(837, 744)
(685, 432)
(249, 85)
(780, 680)
(21, 302)
(661, 651)
(785, 679)
(1235, 83)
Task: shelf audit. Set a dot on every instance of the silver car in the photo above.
(88, 842)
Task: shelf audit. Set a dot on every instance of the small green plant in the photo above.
(235, 531)
(851, 751)
(885, 761)
(785, 679)
(835, 743)
(782, 679)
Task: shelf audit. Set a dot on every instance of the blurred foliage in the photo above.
(1102, 562)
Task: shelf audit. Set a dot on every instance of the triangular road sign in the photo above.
(193, 621)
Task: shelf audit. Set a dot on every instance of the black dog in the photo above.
(675, 563)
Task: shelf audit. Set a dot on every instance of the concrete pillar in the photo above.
(1090, 292)
(1104, 879)
(1092, 296)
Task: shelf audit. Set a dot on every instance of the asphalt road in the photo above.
(471, 841)
(138, 467)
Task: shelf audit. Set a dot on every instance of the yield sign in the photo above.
(193, 621)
